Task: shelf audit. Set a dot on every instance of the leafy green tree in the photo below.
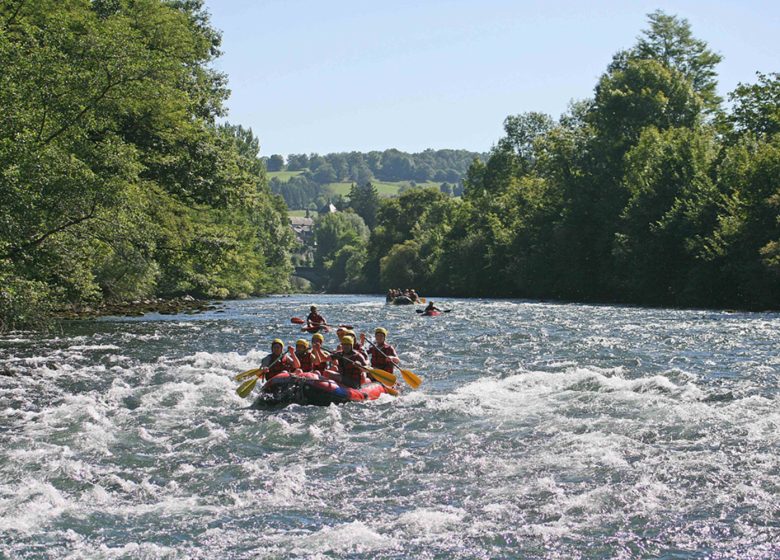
(332, 233)
(275, 163)
(744, 244)
(672, 206)
(521, 134)
(364, 200)
(669, 40)
(756, 107)
(115, 180)
(325, 174)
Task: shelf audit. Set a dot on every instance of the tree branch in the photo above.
(16, 251)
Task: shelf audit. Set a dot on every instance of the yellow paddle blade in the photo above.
(384, 377)
(246, 387)
(411, 378)
(246, 374)
(391, 391)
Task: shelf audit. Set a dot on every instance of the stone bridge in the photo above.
(310, 274)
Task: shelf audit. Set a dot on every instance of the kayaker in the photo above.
(275, 362)
(302, 357)
(314, 319)
(350, 363)
(431, 307)
(383, 355)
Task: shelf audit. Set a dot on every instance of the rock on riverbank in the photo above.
(185, 304)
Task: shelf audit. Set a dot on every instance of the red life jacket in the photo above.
(283, 364)
(316, 318)
(351, 374)
(378, 360)
(306, 360)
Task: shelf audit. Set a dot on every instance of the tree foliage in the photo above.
(115, 180)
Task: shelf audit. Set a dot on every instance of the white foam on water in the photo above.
(350, 538)
(431, 522)
(29, 505)
(135, 550)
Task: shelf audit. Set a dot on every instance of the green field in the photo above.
(283, 176)
(383, 188)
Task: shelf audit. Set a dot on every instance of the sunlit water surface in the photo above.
(540, 431)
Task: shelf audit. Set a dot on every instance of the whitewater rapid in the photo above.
(540, 431)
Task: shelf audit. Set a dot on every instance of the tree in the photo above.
(756, 107)
(521, 134)
(325, 174)
(364, 200)
(672, 206)
(275, 163)
(669, 40)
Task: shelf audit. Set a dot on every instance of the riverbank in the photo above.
(138, 308)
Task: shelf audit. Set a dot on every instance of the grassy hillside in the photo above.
(384, 188)
(283, 176)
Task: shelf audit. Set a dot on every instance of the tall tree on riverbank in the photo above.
(113, 174)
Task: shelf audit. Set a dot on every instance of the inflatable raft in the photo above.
(312, 388)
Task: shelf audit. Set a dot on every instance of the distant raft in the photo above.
(311, 388)
(402, 300)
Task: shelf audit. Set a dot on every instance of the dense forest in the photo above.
(116, 180)
(653, 191)
(308, 189)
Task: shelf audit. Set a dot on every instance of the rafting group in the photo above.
(406, 296)
(308, 373)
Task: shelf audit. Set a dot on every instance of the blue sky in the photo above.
(338, 76)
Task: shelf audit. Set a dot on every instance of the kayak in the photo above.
(314, 329)
(431, 313)
(311, 388)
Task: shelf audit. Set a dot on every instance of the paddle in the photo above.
(299, 321)
(384, 377)
(246, 387)
(442, 310)
(246, 374)
(411, 378)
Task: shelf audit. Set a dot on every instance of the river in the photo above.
(541, 430)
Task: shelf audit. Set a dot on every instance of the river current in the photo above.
(541, 430)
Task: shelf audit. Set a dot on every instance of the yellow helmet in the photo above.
(318, 336)
(380, 330)
(301, 342)
(277, 341)
(348, 340)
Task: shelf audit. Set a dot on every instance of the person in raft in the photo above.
(302, 358)
(383, 355)
(276, 362)
(351, 364)
(358, 347)
(314, 319)
(430, 307)
(319, 356)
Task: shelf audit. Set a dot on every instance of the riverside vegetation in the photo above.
(117, 183)
(650, 192)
